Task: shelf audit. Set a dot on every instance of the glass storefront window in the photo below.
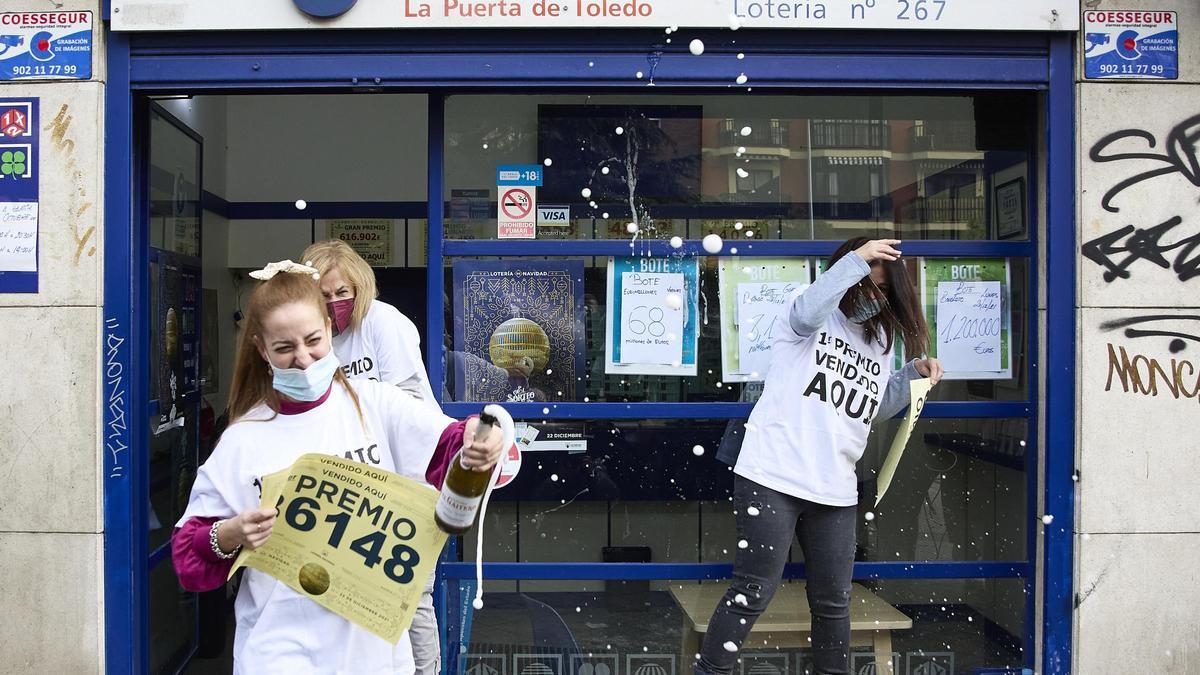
(959, 494)
(175, 188)
(470, 362)
(641, 491)
(920, 626)
(802, 167)
(172, 620)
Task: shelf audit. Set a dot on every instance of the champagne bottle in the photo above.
(463, 489)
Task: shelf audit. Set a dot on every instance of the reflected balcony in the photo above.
(942, 135)
(851, 135)
(763, 134)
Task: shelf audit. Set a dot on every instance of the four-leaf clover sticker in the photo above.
(12, 163)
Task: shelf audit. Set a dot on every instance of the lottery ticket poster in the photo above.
(356, 540)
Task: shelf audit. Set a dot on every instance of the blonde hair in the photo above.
(252, 379)
(336, 254)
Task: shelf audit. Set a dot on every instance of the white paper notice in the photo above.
(969, 325)
(651, 322)
(18, 236)
(761, 311)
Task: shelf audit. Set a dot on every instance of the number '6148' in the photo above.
(303, 514)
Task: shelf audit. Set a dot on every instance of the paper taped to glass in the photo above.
(918, 391)
(355, 539)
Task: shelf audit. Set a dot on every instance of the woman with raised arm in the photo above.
(829, 380)
(289, 397)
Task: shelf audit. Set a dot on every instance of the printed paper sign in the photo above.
(755, 296)
(1129, 44)
(518, 331)
(45, 46)
(516, 213)
(651, 323)
(918, 392)
(519, 175)
(968, 325)
(370, 238)
(968, 307)
(18, 236)
(19, 194)
(353, 538)
(761, 308)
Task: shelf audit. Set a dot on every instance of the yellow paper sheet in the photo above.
(355, 539)
(918, 391)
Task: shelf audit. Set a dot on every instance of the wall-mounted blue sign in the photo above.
(46, 46)
(1127, 44)
(325, 9)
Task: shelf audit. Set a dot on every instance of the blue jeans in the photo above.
(827, 538)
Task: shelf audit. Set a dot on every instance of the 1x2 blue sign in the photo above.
(325, 9)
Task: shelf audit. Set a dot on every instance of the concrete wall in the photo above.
(51, 513)
(1139, 521)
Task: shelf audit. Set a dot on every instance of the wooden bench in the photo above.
(787, 622)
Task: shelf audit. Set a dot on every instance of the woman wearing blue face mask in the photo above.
(829, 380)
(290, 397)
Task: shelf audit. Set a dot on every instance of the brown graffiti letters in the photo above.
(1144, 375)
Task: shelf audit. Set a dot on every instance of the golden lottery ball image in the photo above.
(314, 579)
(518, 338)
(171, 331)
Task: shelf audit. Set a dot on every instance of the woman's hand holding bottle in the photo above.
(482, 455)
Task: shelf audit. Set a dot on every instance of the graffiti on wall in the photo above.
(1179, 154)
(1155, 326)
(115, 438)
(1142, 375)
(1119, 249)
(1164, 245)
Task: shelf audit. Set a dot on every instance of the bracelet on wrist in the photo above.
(216, 547)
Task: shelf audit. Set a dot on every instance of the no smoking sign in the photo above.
(517, 213)
(516, 203)
(516, 208)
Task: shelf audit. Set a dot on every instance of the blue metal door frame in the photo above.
(436, 63)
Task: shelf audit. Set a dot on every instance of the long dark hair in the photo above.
(901, 314)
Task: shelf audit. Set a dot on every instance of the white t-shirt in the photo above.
(821, 395)
(385, 347)
(279, 630)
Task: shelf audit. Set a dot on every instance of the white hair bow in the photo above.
(274, 268)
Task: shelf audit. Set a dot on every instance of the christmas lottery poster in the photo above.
(518, 330)
(651, 327)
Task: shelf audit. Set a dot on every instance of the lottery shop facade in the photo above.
(885, 131)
